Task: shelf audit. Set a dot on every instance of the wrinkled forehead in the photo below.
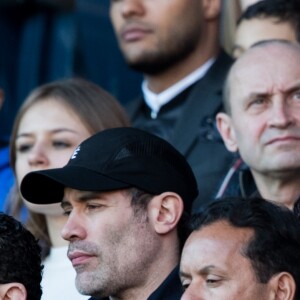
(262, 67)
(267, 53)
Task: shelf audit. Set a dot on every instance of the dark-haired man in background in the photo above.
(20, 262)
(242, 249)
(175, 44)
(266, 20)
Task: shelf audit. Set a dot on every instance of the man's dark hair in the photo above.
(282, 10)
(20, 257)
(275, 246)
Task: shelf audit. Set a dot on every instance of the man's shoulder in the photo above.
(134, 105)
(220, 68)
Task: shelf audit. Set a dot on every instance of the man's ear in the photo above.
(224, 125)
(13, 291)
(283, 286)
(211, 9)
(165, 211)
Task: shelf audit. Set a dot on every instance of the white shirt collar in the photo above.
(156, 101)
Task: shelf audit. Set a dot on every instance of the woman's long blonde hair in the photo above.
(96, 108)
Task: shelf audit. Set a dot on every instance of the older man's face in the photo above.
(264, 122)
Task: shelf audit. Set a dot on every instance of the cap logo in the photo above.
(75, 152)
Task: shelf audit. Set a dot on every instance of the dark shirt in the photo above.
(170, 289)
(239, 182)
(188, 123)
(163, 125)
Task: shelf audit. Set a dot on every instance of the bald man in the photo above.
(262, 122)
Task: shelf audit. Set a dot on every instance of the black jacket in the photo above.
(194, 131)
(239, 182)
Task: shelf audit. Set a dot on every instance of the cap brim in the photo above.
(47, 186)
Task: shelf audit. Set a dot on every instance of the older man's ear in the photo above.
(224, 125)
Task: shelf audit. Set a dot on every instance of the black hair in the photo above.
(275, 246)
(20, 257)
(282, 10)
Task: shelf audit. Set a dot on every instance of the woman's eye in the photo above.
(24, 148)
(60, 144)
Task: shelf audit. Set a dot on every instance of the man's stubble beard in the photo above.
(114, 275)
(166, 54)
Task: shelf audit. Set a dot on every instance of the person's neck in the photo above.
(55, 225)
(159, 82)
(279, 188)
(144, 292)
(157, 273)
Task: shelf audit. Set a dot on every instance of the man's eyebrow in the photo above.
(257, 94)
(64, 204)
(183, 274)
(202, 271)
(83, 197)
(293, 88)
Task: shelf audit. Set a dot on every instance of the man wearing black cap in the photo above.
(127, 194)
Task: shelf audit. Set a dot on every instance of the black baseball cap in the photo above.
(116, 159)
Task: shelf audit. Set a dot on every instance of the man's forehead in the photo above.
(222, 231)
(276, 62)
(215, 245)
(267, 52)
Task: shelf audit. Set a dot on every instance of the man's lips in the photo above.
(78, 258)
(283, 139)
(133, 33)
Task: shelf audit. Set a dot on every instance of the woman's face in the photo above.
(48, 134)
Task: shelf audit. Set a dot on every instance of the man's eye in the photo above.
(67, 212)
(92, 207)
(258, 101)
(185, 286)
(213, 281)
(296, 95)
